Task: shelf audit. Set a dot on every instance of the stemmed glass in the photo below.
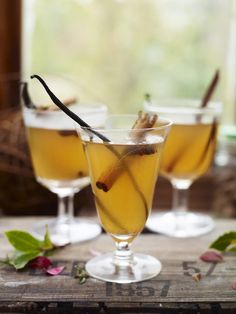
(123, 173)
(188, 154)
(60, 165)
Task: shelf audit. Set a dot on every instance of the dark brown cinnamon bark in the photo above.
(68, 133)
(210, 90)
(144, 122)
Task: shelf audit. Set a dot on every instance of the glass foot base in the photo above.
(62, 233)
(144, 267)
(180, 225)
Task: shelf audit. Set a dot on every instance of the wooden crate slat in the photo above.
(173, 288)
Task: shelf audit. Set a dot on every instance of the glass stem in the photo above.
(180, 196)
(123, 256)
(65, 208)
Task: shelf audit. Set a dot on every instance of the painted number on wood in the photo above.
(138, 290)
(190, 268)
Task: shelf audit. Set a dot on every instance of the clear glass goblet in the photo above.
(188, 154)
(123, 174)
(60, 165)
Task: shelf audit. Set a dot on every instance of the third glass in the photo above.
(188, 154)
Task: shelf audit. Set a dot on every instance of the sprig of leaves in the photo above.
(81, 274)
(225, 243)
(27, 247)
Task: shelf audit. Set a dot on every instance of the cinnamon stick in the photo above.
(204, 102)
(68, 133)
(210, 90)
(212, 137)
(91, 131)
(144, 122)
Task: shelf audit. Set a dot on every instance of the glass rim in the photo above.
(87, 108)
(183, 106)
(167, 124)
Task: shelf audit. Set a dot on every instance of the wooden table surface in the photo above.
(173, 291)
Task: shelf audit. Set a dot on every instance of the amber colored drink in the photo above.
(188, 151)
(57, 154)
(130, 173)
(123, 161)
(59, 163)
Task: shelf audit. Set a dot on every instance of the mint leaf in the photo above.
(224, 241)
(233, 249)
(81, 274)
(29, 249)
(47, 243)
(21, 259)
(23, 241)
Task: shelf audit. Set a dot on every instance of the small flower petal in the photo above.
(234, 286)
(211, 256)
(55, 270)
(95, 252)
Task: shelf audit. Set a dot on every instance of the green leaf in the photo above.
(47, 243)
(50, 252)
(21, 259)
(224, 241)
(27, 247)
(232, 249)
(23, 241)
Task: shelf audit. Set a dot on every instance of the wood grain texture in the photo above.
(173, 290)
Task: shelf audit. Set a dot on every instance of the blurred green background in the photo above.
(116, 50)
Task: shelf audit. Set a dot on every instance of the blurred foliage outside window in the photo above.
(117, 50)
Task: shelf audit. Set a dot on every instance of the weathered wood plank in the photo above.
(86, 308)
(173, 288)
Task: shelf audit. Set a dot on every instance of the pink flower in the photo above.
(43, 263)
(40, 262)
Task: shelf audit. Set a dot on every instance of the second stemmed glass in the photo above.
(60, 165)
(188, 154)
